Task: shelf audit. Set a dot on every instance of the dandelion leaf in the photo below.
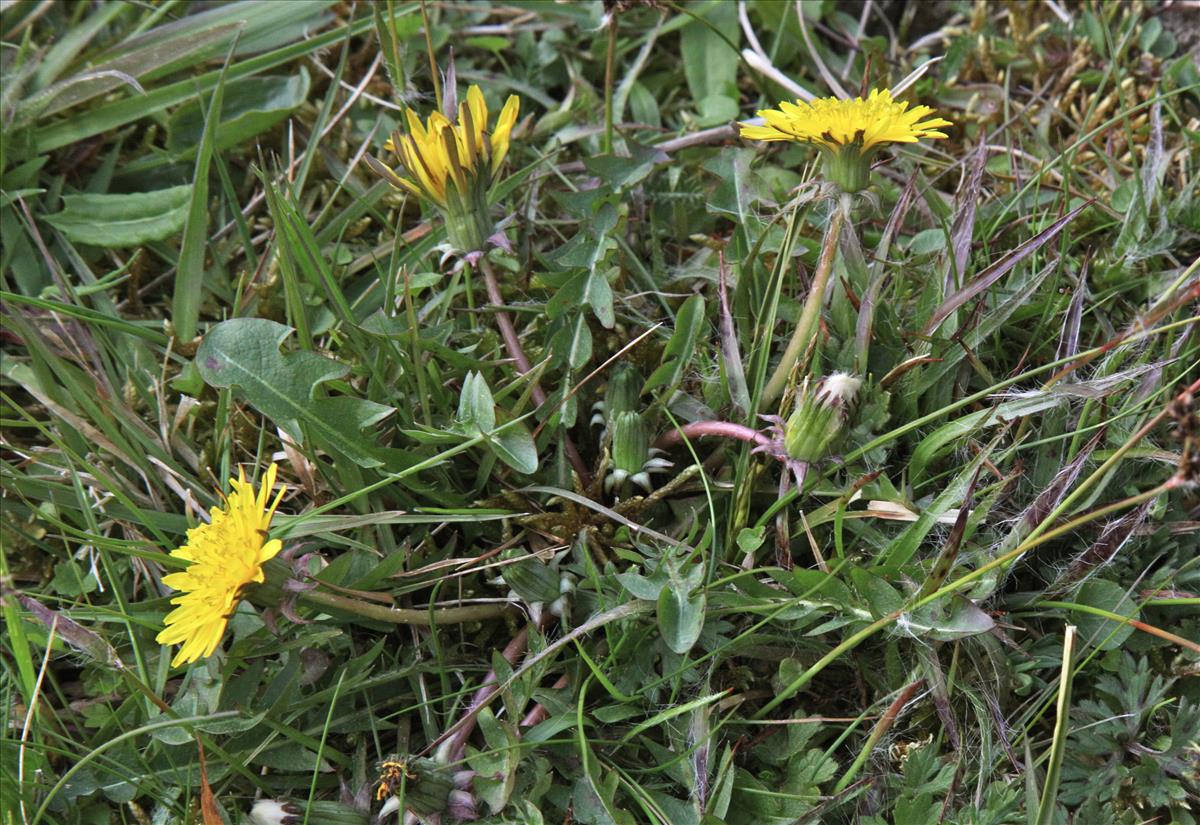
(244, 353)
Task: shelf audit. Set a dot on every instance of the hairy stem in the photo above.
(457, 743)
(807, 325)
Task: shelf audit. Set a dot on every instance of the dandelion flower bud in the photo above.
(820, 414)
(630, 447)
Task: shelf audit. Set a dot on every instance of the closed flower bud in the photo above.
(820, 414)
(623, 390)
(633, 459)
(273, 812)
(630, 447)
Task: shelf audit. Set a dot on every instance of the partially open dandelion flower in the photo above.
(848, 131)
(226, 555)
(452, 165)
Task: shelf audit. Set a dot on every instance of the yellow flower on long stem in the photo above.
(452, 165)
(226, 555)
(848, 132)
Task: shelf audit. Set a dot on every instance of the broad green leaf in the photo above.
(580, 350)
(640, 586)
(531, 579)
(70, 43)
(710, 61)
(251, 106)
(946, 620)
(476, 407)
(750, 539)
(620, 172)
(119, 221)
(679, 350)
(165, 54)
(599, 296)
(244, 353)
(496, 768)
(513, 444)
(880, 596)
(1107, 596)
(112, 115)
(680, 612)
(187, 42)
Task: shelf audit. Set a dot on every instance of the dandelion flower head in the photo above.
(848, 132)
(832, 122)
(225, 555)
(439, 155)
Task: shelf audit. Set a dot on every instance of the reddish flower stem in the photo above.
(720, 429)
(458, 741)
(513, 344)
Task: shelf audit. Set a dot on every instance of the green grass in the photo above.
(201, 273)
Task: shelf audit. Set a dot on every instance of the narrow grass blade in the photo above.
(1058, 746)
(189, 278)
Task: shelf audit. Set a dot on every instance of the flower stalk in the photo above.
(516, 352)
(717, 429)
(848, 133)
(806, 326)
(610, 70)
(400, 615)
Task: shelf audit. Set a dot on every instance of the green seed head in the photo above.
(819, 416)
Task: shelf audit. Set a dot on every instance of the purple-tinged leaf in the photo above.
(997, 270)
(86, 641)
(964, 222)
(730, 351)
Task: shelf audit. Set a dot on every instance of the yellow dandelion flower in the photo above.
(225, 556)
(452, 165)
(848, 131)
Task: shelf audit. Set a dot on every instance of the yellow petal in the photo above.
(504, 127)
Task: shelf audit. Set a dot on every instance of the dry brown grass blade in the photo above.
(210, 812)
(1103, 549)
(964, 222)
(945, 560)
(997, 270)
(1049, 498)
